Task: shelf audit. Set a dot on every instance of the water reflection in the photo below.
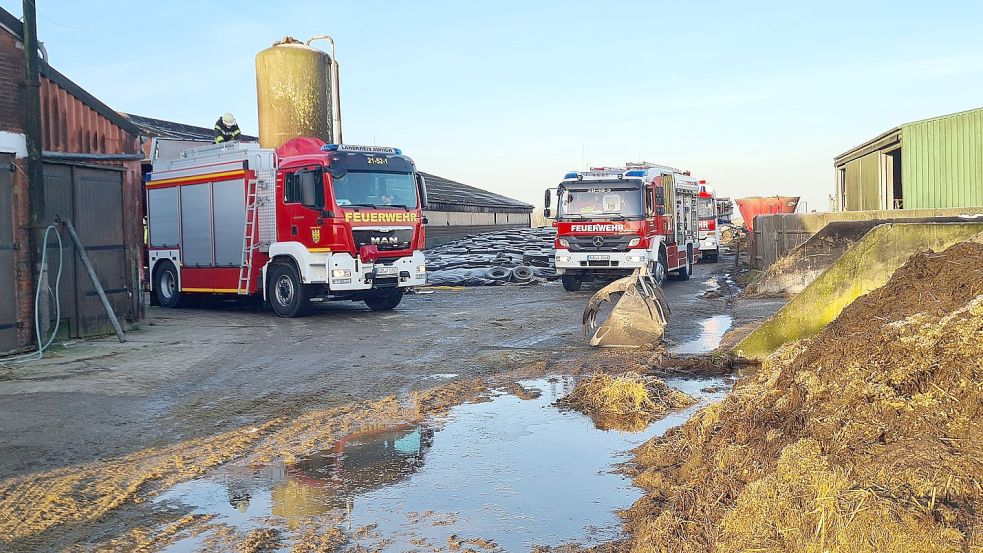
(357, 464)
(712, 330)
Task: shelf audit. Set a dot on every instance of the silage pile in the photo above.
(866, 437)
(628, 401)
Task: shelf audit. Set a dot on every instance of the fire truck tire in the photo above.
(571, 283)
(684, 272)
(287, 294)
(165, 285)
(385, 303)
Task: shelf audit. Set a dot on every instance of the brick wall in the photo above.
(11, 83)
(25, 270)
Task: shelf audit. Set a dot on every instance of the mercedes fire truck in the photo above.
(611, 221)
(709, 241)
(306, 223)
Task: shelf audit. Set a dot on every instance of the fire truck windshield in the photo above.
(600, 202)
(375, 189)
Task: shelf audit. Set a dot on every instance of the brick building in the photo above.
(91, 175)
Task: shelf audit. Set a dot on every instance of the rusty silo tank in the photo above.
(297, 92)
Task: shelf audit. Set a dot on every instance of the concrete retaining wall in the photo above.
(775, 235)
(867, 265)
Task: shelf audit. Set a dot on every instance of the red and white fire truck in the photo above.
(706, 204)
(611, 221)
(307, 222)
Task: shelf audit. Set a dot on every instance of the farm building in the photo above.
(457, 210)
(90, 156)
(930, 164)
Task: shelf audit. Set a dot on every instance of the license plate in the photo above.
(598, 258)
(387, 271)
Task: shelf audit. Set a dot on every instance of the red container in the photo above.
(752, 207)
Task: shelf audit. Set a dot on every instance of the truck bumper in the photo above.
(346, 274)
(567, 261)
(709, 243)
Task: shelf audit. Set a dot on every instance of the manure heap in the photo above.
(865, 437)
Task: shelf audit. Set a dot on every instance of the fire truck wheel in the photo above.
(571, 283)
(165, 285)
(287, 294)
(684, 272)
(384, 303)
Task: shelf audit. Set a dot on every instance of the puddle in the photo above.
(518, 472)
(712, 330)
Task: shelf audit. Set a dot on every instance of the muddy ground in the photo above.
(194, 373)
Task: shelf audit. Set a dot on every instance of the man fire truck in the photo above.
(709, 241)
(307, 222)
(611, 221)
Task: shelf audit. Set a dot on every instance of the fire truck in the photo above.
(612, 220)
(707, 208)
(308, 222)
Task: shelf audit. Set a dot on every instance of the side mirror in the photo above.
(421, 186)
(546, 200)
(327, 214)
(308, 188)
(548, 213)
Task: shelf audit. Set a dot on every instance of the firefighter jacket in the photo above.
(224, 133)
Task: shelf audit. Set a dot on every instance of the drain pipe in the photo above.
(94, 278)
(335, 90)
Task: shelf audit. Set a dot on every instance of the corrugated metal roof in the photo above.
(446, 191)
(168, 129)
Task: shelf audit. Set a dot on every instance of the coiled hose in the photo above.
(37, 300)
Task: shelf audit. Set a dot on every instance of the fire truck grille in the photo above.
(609, 243)
(385, 240)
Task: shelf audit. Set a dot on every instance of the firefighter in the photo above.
(226, 129)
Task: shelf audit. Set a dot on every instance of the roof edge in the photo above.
(852, 152)
(954, 114)
(15, 25)
(87, 98)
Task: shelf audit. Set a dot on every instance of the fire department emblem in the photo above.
(315, 234)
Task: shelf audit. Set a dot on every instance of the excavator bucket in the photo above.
(639, 315)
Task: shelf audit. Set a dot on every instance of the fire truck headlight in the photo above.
(341, 273)
(564, 243)
(563, 259)
(634, 242)
(421, 268)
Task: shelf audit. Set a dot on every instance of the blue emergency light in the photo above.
(635, 173)
(570, 175)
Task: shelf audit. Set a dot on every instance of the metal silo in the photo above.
(297, 92)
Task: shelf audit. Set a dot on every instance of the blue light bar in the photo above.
(570, 175)
(361, 149)
(635, 173)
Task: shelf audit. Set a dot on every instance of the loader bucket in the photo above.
(639, 315)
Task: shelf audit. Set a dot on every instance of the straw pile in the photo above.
(865, 438)
(627, 401)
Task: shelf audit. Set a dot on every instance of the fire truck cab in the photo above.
(306, 223)
(611, 221)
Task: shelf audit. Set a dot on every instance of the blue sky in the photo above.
(756, 97)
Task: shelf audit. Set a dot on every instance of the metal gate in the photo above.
(92, 197)
(8, 259)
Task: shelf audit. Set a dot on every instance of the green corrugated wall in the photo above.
(942, 161)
